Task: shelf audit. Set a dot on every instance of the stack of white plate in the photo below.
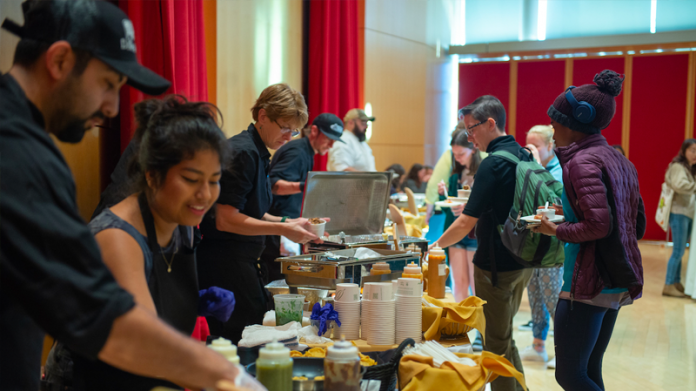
(409, 315)
(378, 298)
(347, 304)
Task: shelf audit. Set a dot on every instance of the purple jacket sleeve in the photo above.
(594, 215)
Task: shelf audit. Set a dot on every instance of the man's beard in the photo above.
(68, 127)
(359, 134)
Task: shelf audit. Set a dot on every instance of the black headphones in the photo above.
(582, 111)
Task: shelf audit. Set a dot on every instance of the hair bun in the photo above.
(609, 82)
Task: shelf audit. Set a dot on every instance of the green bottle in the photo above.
(274, 367)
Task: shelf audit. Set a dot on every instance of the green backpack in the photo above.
(534, 186)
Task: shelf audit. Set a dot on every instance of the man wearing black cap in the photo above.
(72, 59)
(288, 172)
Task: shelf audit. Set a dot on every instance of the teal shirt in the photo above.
(571, 251)
(554, 167)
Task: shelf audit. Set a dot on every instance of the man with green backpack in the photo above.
(509, 185)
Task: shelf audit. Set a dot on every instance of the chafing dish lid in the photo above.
(356, 202)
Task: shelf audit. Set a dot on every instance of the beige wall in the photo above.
(83, 158)
(403, 79)
(259, 43)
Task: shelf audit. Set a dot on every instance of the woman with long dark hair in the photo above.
(415, 179)
(466, 160)
(680, 177)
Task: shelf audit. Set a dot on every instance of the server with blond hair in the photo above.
(234, 235)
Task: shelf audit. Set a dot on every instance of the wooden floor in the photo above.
(654, 342)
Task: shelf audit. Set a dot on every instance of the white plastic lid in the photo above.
(274, 351)
(412, 268)
(226, 348)
(342, 350)
(437, 251)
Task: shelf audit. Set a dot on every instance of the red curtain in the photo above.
(170, 40)
(538, 85)
(333, 61)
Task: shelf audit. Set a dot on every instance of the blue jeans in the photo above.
(681, 229)
(582, 334)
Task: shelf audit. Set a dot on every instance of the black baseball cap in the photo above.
(98, 27)
(330, 125)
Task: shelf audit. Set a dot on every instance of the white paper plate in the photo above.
(445, 204)
(532, 220)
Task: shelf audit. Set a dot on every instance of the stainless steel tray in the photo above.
(356, 202)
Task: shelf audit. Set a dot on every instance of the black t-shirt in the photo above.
(52, 277)
(244, 185)
(291, 163)
(490, 202)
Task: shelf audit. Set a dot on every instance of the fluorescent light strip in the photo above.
(541, 20)
(653, 15)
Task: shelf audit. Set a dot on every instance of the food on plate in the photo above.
(365, 361)
(319, 378)
(538, 217)
(299, 378)
(466, 187)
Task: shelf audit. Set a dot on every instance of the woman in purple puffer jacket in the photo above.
(604, 217)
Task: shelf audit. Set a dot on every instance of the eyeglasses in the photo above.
(286, 130)
(470, 132)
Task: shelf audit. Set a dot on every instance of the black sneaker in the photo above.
(526, 327)
(478, 343)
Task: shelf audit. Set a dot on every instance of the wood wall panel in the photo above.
(583, 73)
(539, 83)
(259, 43)
(83, 160)
(396, 90)
(657, 119)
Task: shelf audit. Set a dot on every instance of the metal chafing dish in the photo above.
(325, 270)
(356, 202)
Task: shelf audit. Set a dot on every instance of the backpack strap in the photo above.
(507, 156)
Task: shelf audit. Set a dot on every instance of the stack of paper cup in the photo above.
(409, 315)
(347, 304)
(381, 313)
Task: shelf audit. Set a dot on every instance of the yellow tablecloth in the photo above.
(417, 373)
(448, 316)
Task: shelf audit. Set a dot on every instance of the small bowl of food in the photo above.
(550, 213)
(464, 192)
(316, 226)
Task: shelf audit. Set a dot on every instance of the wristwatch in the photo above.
(283, 219)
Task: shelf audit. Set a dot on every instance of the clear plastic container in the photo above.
(380, 268)
(412, 271)
(437, 273)
(342, 371)
(274, 367)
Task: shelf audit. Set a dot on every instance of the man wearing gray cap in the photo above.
(353, 154)
(72, 60)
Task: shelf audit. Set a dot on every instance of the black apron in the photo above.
(235, 266)
(175, 295)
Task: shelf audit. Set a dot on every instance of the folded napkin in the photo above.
(257, 335)
(418, 373)
(450, 318)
